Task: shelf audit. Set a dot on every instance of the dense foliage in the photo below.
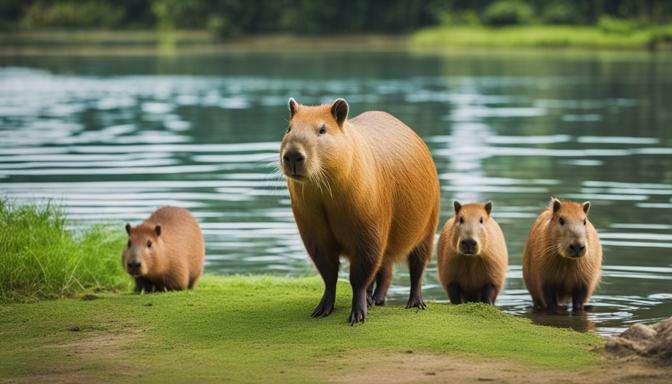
(231, 17)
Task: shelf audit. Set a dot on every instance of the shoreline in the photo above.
(433, 40)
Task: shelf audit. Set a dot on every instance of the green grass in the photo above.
(257, 329)
(42, 258)
(543, 36)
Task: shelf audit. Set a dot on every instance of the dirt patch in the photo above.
(85, 358)
(406, 367)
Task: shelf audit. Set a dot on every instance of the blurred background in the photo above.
(114, 108)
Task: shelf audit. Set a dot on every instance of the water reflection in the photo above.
(113, 139)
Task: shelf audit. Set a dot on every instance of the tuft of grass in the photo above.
(259, 329)
(42, 258)
(569, 36)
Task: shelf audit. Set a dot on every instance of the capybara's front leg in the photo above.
(328, 268)
(551, 298)
(383, 281)
(488, 294)
(454, 293)
(417, 261)
(139, 285)
(362, 269)
(579, 298)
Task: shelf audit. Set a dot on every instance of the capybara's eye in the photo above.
(561, 221)
(584, 221)
(323, 130)
(481, 220)
(128, 245)
(149, 243)
(289, 129)
(461, 220)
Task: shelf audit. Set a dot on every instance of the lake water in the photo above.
(113, 138)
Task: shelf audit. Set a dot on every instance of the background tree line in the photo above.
(236, 17)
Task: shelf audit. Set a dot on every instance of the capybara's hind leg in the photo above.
(417, 261)
(488, 294)
(579, 298)
(328, 266)
(383, 281)
(362, 269)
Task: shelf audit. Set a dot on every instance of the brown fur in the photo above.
(551, 272)
(367, 190)
(478, 276)
(174, 260)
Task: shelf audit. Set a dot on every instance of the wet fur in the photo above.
(177, 263)
(477, 278)
(374, 200)
(549, 274)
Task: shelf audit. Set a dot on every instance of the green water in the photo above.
(113, 138)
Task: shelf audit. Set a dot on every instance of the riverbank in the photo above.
(441, 38)
(545, 36)
(258, 329)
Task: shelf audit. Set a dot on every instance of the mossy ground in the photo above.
(256, 329)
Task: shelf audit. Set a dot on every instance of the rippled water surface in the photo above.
(114, 138)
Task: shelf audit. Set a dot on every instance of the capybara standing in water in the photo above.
(472, 257)
(366, 189)
(562, 257)
(165, 252)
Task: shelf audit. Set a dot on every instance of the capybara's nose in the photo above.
(577, 248)
(293, 158)
(133, 266)
(468, 244)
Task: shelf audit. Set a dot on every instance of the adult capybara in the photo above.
(472, 257)
(562, 256)
(366, 189)
(165, 252)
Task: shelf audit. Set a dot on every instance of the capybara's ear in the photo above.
(556, 204)
(488, 207)
(457, 206)
(293, 107)
(339, 109)
(157, 229)
(128, 228)
(586, 207)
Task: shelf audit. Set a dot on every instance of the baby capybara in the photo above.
(364, 188)
(562, 257)
(165, 252)
(472, 257)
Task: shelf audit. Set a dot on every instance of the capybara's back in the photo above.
(472, 256)
(366, 189)
(166, 251)
(562, 257)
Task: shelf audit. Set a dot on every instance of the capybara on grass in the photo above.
(562, 257)
(165, 252)
(472, 258)
(366, 189)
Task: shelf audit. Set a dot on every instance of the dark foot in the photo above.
(324, 308)
(358, 315)
(416, 302)
(379, 300)
(370, 301)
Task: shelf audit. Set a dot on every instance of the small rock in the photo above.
(639, 332)
(74, 328)
(408, 351)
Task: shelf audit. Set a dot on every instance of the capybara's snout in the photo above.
(468, 246)
(577, 249)
(134, 267)
(294, 161)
